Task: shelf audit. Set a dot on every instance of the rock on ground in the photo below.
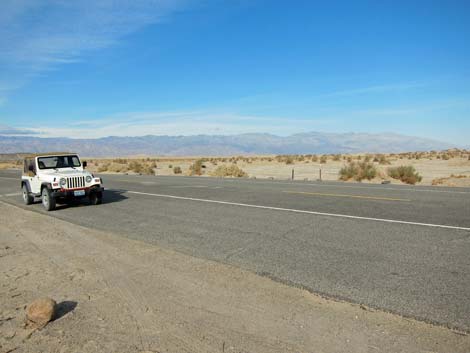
(40, 312)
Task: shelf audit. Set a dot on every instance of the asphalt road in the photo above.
(402, 249)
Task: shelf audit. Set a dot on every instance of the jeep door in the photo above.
(34, 181)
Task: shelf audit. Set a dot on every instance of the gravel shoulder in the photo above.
(121, 295)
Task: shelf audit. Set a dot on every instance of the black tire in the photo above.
(96, 198)
(28, 199)
(47, 200)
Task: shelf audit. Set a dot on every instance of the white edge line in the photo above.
(299, 211)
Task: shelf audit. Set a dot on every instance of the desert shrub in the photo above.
(117, 168)
(367, 158)
(407, 174)
(177, 170)
(120, 161)
(337, 157)
(314, 158)
(103, 168)
(323, 159)
(229, 171)
(196, 167)
(358, 171)
(170, 166)
(289, 160)
(381, 159)
(136, 167)
(438, 181)
(445, 157)
(147, 170)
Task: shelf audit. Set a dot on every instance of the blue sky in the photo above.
(181, 67)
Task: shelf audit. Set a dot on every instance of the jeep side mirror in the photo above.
(84, 164)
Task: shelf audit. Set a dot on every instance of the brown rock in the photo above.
(40, 312)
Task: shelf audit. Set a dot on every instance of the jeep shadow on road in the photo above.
(109, 196)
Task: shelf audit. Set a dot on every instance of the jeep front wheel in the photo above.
(96, 198)
(48, 200)
(27, 197)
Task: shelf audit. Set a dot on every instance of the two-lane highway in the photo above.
(398, 248)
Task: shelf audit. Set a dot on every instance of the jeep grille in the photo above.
(75, 182)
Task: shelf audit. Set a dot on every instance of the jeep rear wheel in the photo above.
(27, 197)
(96, 198)
(47, 200)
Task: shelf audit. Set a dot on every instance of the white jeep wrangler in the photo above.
(58, 177)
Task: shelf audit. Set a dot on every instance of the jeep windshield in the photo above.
(55, 162)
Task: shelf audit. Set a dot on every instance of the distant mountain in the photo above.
(312, 142)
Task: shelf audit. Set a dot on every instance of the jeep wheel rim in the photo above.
(25, 195)
(45, 199)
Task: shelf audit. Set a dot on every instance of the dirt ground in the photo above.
(454, 171)
(121, 295)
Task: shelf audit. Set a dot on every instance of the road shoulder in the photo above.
(121, 295)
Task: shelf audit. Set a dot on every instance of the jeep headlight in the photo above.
(62, 182)
(88, 178)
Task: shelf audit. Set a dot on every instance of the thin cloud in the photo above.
(176, 123)
(372, 90)
(11, 131)
(37, 36)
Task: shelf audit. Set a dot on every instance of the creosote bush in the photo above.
(103, 167)
(177, 170)
(147, 170)
(135, 166)
(381, 159)
(407, 174)
(196, 167)
(358, 171)
(229, 171)
(445, 157)
(287, 159)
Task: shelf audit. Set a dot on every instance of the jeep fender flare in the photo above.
(28, 186)
(46, 185)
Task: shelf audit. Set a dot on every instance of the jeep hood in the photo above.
(66, 172)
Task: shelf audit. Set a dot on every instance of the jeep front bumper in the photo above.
(70, 193)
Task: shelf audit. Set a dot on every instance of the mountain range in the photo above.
(219, 145)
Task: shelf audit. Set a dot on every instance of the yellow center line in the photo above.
(346, 195)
